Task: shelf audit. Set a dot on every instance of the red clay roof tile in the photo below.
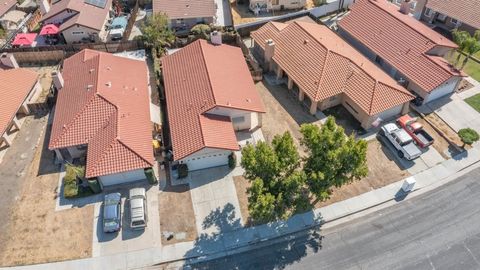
(400, 40)
(104, 103)
(199, 78)
(466, 11)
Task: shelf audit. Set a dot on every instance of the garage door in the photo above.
(207, 161)
(121, 178)
(440, 92)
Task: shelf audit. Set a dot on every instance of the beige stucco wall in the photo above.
(287, 4)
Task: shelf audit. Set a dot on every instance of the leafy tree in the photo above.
(467, 44)
(278, 188)
(333, 158)
(155, 31)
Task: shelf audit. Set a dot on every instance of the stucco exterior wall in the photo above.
(250, 118)
(189, 23)
(78, 33)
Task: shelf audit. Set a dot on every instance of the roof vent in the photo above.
(305, 41)
(109, 84)
(91, 70)
(109, 68)
(249, 100)
(89, 87)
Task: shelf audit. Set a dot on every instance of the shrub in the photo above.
(70, 186)
(232, 160)
(468, 135)
(200, 29)
(318, 3)
(182, 170)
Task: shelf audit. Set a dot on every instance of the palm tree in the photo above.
(466, 44)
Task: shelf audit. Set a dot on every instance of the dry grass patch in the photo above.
(176, 214)
(39, 234)
(241, 185)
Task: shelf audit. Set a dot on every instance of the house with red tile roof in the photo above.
(405, 48)
(459, 14)
(102, 112)
(79, 20)
(20, 88)
(323, 71)
(210, 94)
(184, 14)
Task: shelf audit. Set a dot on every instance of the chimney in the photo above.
(216, 38)
(405, 7)
(8, 60)
(269, 51)
(57, 79)
(44, 6)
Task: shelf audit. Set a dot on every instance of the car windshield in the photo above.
(110, 223)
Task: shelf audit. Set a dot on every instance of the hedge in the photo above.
(468, 135)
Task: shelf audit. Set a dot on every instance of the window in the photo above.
(77, 33)
(237, 120)
(428, 12)
(413, 5)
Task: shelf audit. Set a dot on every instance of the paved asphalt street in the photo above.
(437, 230)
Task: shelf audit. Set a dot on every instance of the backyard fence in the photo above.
(46, 55)
(330, 7)
(131, 22)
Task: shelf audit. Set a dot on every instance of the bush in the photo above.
(70, 186)
(318, 3)
(200, 29)
(182, 170)
(232, 160)
(468, 135)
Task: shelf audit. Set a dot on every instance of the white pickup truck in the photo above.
(401, 140)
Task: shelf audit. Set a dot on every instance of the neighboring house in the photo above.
(79, 20)
(405, 48)
(323, 71)
(6, 6)
(102, 111)
(258, 6)
(19, 88)
(461, 14)
(210, 94)
(184, 14)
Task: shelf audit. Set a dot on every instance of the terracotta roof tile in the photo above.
(87, 15)
(104, 103)
(323, 65)
(176, 9)
(466, 11)
(15, 86)
(197, 80)
(6, 5)
(400, 40)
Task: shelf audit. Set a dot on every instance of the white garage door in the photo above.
(121, 178)
(207, 161)
(440, 92)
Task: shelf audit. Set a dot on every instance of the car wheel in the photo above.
(382, 132)
(400, 154)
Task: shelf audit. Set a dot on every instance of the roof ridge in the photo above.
(204, 60)
(373, 97)
(317, 93)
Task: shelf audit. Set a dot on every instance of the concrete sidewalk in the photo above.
(220, 244)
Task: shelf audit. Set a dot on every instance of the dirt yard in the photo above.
(382, 170)
(36, 232)
(440, 144)
(176, 214)
(445, 129)
(283, 112)
(242, 14)
(241, 185)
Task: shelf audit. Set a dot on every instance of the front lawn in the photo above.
(472, 68)
(474, 101)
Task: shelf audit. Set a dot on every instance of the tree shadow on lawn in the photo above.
(288, 248)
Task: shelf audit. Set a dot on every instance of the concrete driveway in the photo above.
(214, 199)
(125, 240)
(456, 113)
(429, 158)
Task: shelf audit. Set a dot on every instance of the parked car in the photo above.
(401, 140)
(415, 129)
(138, 208)
(112, 215)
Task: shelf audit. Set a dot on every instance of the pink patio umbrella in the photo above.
(49, 29)
(24, 39)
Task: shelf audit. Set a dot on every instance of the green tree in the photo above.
(278, 188)
(468, 135)
(334, 159)
(155, 31)
(467, 44)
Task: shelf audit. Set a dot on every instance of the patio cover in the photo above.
(24, 39)
(49, 29)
